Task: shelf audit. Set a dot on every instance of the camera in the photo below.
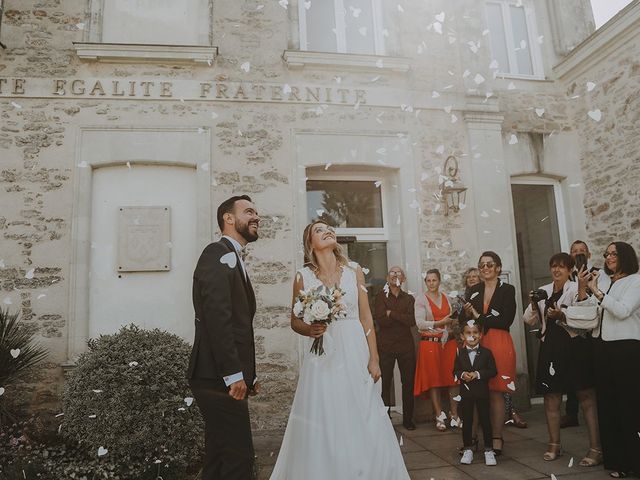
(581, 261)
(539, 294)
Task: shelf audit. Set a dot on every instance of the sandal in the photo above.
(455, 421)
(440, 419)
(496, 450)
(588, 461)
(618, 474)
(554, 453)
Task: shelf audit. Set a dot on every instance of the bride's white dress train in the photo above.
(338, 428)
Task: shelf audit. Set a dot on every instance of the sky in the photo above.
(603, 10)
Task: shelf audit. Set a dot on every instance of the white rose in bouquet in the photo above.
(320, 310)
(298, 309)
(308, 316)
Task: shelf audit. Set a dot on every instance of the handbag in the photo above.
(582, 317)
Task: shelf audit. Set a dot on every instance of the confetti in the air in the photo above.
(511, 386)
(283, 3)
(188, 401)
(513, 139)
(229, 259)
(540, 111)
(457, 398)
(552, 371)
(15, 352)
(133, 364)
(570, 462)
(1, 391)
(102, 451)
(590, 86)
(595, 114)
(246, 66)
(29, 274)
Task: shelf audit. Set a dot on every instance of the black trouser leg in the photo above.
(617, 397)
(572, 405)
(466, 413)
(387, 362)
(229, 451)
(482, 404)
(407, 366)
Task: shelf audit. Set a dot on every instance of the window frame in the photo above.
(532, 31)
(340, 25)
(373, 234)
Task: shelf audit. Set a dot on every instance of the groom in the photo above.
(222, 367)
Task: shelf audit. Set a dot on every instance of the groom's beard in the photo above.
(244, 231)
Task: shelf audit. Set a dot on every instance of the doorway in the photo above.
(540, 232)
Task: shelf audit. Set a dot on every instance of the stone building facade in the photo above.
(110, 109)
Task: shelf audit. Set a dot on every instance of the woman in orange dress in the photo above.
(492, 304)
(432, 318)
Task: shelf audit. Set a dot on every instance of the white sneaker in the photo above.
(490, 458)
(467, 457)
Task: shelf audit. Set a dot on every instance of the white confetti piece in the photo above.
(307, 5)
(229, 259)
(96, 391)
(495, 313)
(513, 139)
(457, 398)
(595, 114)
(540, 111)
(368, 333)
(474, 295)
(590, 86)
(246, 66)
(319, 212)
(552, 371)
(326, 167)
(15, 105)
(511, 386)
(83, 164)
(437, 26)
(400, 8)
(283, 3)
(494, 65)
(454, 119)
(188, 401)
(471, 323)
(486, 32)
(478, 79)
(365, 270)
(355, 11)
(102, 451)
(401, 441)
(15, 352)
(364, 289)
(511, 86)
(133, 364)
(553, 477)
(381, 151)
(505, 377)
(80, 26)
(29, 274)
(1, 391)
(59, 415)
(484, 214)
(440, 17)
(570, 462)
(93, 415)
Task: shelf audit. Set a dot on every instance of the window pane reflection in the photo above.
(345, 204)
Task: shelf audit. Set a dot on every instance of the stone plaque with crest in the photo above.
(144, 239)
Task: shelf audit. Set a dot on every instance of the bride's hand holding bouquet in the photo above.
(318, 307)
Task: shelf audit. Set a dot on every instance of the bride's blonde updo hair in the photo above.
(310, 257)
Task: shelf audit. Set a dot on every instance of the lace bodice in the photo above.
(348, 283)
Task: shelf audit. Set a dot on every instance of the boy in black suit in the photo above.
(474, 366)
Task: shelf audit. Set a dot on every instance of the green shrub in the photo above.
(127, 395)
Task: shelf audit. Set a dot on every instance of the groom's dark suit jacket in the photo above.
(484, 364)
(224, 305)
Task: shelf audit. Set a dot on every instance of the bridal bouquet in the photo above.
(319, 305)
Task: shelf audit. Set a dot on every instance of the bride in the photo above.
(338, 427)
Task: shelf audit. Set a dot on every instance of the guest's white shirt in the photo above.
(621, 316)
(569, 292)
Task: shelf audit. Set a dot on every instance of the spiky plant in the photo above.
(18, 354)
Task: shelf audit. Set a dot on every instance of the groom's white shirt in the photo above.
(229, 379)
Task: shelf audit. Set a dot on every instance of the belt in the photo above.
(430, 339)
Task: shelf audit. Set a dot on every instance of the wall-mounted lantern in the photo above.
(452, 192)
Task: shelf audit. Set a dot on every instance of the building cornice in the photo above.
(614, 35)
(300, 59)
(136, 53)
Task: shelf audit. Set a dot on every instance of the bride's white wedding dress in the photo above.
(338, 428)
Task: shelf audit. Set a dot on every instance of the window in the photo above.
(514, 39)
(163, 22)
(342, 26)
(355, 207)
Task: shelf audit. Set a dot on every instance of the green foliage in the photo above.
(134, 383)
(17, 338)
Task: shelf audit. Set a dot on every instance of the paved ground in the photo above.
(430, 454)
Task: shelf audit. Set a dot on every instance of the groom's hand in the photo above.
(238, 390)
(255, 390)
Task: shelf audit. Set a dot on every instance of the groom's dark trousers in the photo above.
(224, 305)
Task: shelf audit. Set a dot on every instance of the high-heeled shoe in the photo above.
(518, 421)
(496, 450)
(554, 453)
(588, 461)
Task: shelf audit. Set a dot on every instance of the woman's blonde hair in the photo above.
(310, 257)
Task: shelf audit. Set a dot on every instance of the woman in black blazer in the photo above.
(492, 304)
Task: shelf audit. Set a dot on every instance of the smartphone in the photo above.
(581, 261)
